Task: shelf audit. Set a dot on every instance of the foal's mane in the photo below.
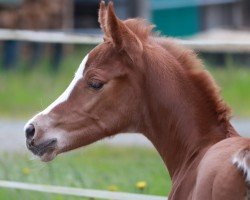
(194, 68)
(200, 77)
(140, 27)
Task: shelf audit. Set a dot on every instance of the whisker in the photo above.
(33, 157)
(36, 165)
(41, 102)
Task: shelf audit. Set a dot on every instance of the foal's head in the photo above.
(104, 97)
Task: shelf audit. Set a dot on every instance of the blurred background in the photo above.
(33, 73)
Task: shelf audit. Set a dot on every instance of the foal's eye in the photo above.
(96, 85)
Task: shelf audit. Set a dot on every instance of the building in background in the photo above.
(185, 18)
(172, 17)
(80, 15)
(216, 19)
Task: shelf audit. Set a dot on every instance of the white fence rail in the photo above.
(49, 37)
(96, 194)
(74, 38)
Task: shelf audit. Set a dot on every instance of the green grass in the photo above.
(95, 167)
(235, 85)
(24, 92)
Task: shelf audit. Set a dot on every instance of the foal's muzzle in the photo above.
(41, 149)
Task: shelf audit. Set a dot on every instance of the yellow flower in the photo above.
(141, 185)
(112, 188)
(26, 170)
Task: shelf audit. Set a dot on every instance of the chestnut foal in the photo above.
(137, 82)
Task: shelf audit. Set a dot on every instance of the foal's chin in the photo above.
(48, 156)
(51, 154)
(45, 153)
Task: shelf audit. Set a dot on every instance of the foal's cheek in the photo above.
(90, 103)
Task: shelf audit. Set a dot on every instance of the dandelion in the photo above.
(112, 188)
(26, 170)
(141, 185)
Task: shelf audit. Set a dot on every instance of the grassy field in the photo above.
(23, 92)
(235, 85)
(96, 167)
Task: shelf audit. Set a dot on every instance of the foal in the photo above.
(137, 82)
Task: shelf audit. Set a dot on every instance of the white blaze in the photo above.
(65, 95)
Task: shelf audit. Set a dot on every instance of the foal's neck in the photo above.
(177, 122)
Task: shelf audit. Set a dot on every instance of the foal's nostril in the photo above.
(30, 131)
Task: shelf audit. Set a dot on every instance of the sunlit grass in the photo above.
(97, 167)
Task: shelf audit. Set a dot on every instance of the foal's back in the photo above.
(223, 172)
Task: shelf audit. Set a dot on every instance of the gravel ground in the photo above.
(12, 136)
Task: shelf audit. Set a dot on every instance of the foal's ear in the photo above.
(102, 17)
(122, 37)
